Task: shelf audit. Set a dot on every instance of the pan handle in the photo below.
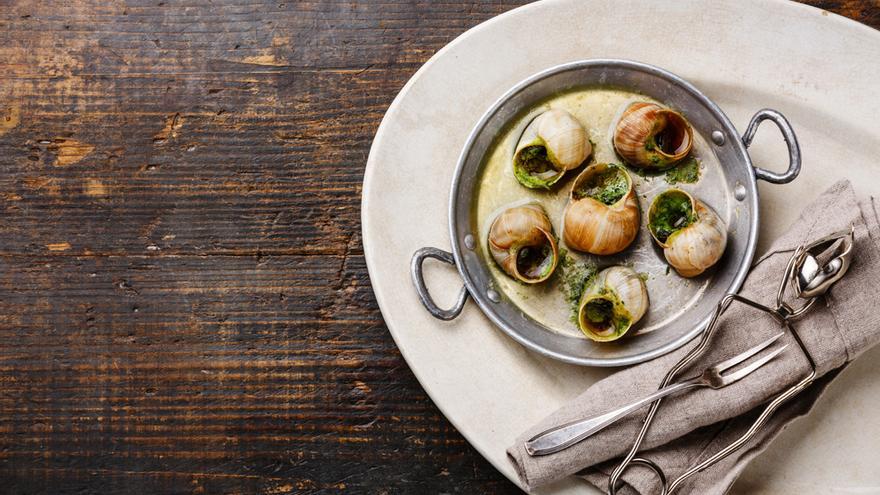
(794, 150)
(422, 289)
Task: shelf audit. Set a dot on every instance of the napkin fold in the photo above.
(693, 425)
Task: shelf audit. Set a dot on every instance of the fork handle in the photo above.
(561, 437)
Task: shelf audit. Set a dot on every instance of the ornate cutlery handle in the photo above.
(562, 437)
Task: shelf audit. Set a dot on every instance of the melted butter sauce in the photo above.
(599, 110)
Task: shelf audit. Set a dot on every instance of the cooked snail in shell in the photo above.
(650, 136)
(602, 216)
(692, 235)
(521, 241)
(553, 143)
(614, 302)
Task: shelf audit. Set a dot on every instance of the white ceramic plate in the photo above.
(821, 70)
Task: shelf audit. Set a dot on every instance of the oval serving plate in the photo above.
(679, 307)
(490, 387)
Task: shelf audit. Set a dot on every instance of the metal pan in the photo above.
(738, 189)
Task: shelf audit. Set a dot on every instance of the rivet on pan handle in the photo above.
(422, 289)
(794, 150)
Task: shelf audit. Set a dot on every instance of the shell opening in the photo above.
(673, 139)
(521, 241)
(608, 185)
(535, 262)
(670, 212)
(534, 168)
(598, 316)
(534, 160)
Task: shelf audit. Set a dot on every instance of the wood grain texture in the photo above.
(184, 303)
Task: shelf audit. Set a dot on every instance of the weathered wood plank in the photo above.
(269, 371)
(184, 304)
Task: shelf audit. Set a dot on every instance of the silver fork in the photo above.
(562, 437)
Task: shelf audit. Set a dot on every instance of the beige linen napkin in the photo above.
(693, 425)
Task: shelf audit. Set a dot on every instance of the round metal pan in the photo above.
(707, 119)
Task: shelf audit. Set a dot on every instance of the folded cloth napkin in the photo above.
(693, 425)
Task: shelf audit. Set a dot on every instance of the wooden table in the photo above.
(184, 305)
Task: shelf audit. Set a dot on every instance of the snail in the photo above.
(602, 216)
(614, 302)
(553, 143)
(692, 235)
(653, 137)
(521, 241)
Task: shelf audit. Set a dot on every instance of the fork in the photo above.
(561, 437)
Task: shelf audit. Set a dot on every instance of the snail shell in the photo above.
(553, 143)
(594, 226)
(699, 239)
(614, 302)
(650, 136)
(521, 242)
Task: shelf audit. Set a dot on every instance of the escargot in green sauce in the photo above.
(692, 235)
(614, 302)
(553, 143)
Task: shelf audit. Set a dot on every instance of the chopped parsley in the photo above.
(671, 213)
(533, 159)
(599, 312)
(687, 171)
(574, 277)
(607, 186)
(533, 168)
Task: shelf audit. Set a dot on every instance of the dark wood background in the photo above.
(184, 303)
